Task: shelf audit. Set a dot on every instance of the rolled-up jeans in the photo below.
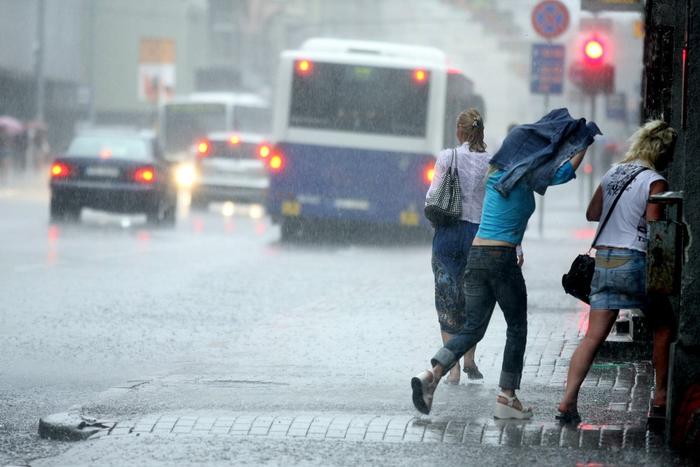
(492, 275)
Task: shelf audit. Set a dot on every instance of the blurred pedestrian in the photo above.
(21, 144)
(38, 150)
(451, 243)
(619, 280)
(5, 154)
(532, 157)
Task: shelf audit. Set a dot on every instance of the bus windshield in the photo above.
(185, 123)
(359, 98)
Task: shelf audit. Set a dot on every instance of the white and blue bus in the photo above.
(357, 126)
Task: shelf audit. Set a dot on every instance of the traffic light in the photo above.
(591, 73)
(593, 52)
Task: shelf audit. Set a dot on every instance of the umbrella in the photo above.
(11, 125)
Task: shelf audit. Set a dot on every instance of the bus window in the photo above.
(360, 98)
(252, 119)
(184, 123)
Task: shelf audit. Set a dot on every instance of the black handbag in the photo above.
(577, 282)
(444, 207)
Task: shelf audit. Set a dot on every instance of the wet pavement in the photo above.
(216, 344)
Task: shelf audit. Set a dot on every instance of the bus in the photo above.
(356, 129)
(185, 120)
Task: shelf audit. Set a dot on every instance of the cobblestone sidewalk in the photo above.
(615, 416)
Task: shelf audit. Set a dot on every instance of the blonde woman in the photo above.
(451, 243)
(619, 280)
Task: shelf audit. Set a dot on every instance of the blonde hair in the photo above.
(470, 127)
(651, 142)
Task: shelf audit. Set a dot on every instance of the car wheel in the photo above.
(61, 210)
(162, 214)
(291, 229)
(199, 203)
(169, 216)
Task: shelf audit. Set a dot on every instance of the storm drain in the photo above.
(484, 431)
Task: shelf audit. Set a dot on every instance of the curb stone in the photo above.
(71, 426)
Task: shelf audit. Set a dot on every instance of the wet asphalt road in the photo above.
(217, 315)
(91, 305)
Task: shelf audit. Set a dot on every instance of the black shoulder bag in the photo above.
(445, 206)
(577, 281)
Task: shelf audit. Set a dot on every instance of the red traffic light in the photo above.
(593, 51)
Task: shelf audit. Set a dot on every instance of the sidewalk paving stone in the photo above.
(368, 428)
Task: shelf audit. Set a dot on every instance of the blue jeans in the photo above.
(492, 275)
(450, 252)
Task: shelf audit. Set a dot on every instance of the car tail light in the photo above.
(304, 67)
(264, 151)
(203, 148)
(276, 162)
(145, 175)
(429, 173)
(60, 170)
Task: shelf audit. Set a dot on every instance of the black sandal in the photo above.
(473, 372)
(570, 416)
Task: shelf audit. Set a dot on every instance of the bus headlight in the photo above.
(185, 175)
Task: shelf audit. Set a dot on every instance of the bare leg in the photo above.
(662, 342)
(469, 358)
(453, 377)
(599, 324)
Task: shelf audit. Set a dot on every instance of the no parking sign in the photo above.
(550, 18)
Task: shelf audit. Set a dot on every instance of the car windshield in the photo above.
(110, 147)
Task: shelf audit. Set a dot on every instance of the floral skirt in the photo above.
(450, 251)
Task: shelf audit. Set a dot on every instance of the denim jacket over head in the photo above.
(533, 152)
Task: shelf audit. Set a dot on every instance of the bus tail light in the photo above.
(420, 76)
(145, 175)
(60, 170)
(304, 67)
(203, 148)
(276, 161)
(429, 173)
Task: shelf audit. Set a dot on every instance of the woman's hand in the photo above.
(576, 160)
(519, 255)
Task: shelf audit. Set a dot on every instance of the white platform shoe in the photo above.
(509, 412)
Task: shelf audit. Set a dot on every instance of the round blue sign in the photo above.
(550, 18)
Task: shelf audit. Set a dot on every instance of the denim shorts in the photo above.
(619, 280)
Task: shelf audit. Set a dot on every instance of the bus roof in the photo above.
(379, 49)
(217, 97)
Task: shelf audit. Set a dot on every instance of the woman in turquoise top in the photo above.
(494, 276)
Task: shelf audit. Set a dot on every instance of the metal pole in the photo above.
(91, 62)
(540, 218)
(594, 150)
(39, 60)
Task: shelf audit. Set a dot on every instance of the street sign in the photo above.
(156, 74)
(550, 18)
(612, 5)
(616, 106)
(547, 71)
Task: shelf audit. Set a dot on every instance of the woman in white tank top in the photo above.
(619, 280)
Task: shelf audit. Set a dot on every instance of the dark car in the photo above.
(121, 172)
(230, 167)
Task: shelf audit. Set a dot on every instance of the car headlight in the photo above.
(185, 175)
